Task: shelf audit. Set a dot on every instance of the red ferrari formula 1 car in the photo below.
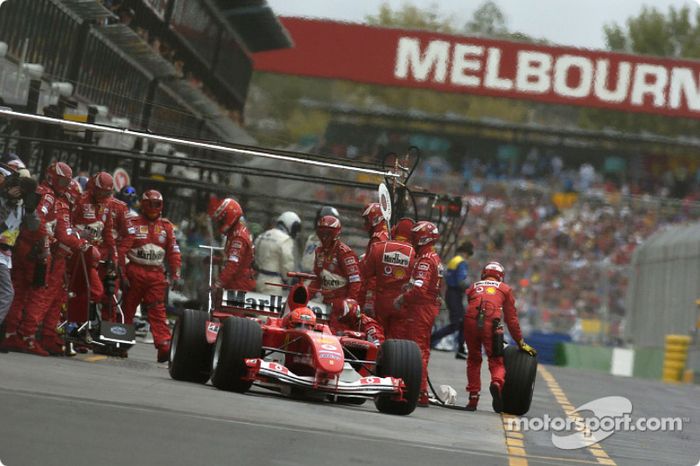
(242, 341)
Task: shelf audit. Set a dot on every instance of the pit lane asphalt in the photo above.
(129, 412)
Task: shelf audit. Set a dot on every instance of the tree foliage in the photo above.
(675, 34)
(488, 20)
(412, 17)
(279, 97)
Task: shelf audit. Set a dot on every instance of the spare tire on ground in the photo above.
(400, 359)
(239, 339)
(521, 372)
(190, 354)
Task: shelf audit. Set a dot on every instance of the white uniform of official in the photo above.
(309, 255)
(274, 257)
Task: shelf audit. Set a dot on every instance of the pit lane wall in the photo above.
(646, 363)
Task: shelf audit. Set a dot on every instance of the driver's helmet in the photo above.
(351, 312)
(300, 318)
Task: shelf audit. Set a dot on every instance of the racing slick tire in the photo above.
(239, 339)
(190, 354)
(400, 359)
(519, 386)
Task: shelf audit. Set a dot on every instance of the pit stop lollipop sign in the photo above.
(385, 202)
(121, 179)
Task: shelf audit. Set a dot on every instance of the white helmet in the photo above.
(291, 222)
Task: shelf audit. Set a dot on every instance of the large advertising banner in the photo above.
(498, 68)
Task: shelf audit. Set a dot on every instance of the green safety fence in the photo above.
(583, 356)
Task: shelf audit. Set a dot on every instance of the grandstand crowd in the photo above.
(566, 231)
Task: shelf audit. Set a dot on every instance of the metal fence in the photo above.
(664, 286)
(111, 66)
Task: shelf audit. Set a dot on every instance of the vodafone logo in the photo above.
(533, 72)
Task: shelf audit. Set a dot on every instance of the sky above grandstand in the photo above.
(563, 22)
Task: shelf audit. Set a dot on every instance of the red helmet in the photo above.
(373, 216)
(151, 204)
(493, 270)
(58, 176)
(227, 214)
(102, 185)
(328, 230)
(351, 311)
(402, 230)
(72, 194)
(301, 317)
(424, 233)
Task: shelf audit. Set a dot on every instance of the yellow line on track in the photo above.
(596, 450)
(95, 358)
(515, 446)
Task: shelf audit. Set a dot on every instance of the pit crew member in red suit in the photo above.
(92, 217)
(237, 273)
(66, 242)
(353, 319)
(336, 268)
(489, 299)
(378, 231)
(420, 304)
(151, 247)
(122, 216)
(32, 295)
(121, 227)
(389, 265)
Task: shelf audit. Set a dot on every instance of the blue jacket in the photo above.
(457, 270)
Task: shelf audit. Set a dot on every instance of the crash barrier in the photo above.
(546, 344)
(597, 358)
(655, 363)
(675, 357)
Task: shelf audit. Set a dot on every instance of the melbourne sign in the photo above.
(561, 75)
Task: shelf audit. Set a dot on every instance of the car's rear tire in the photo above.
(521, 372)
(400, 359)
(190, 354)
(239, 339)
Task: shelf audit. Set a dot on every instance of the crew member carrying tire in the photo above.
(336, 268)
(237, 273)
(152, 245)
(490, 301)
(420, 305)
(274, 253)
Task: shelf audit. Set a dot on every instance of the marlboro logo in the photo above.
(250, 301)
(255, 301)
(396, 258)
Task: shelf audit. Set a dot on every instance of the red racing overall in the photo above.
(495, 299)
(421, 305)
(237, 273)
(152, 245)
(337, 276)
(388, 264)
